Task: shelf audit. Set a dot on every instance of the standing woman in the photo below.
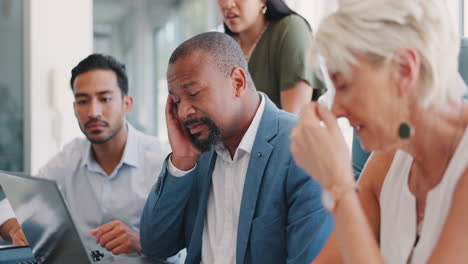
(275, 41)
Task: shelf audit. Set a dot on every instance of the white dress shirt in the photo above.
(96, 198)
(222, 214)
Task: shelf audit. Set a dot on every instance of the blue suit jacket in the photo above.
(281, 217)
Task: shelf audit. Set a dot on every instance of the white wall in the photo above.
(60, 35)
(453, 7)
(314, 10)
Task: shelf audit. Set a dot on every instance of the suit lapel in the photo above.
(259, 158)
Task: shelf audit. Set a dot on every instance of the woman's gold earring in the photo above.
(264, 9)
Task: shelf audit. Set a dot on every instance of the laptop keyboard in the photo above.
(18, 255)
(39, 261)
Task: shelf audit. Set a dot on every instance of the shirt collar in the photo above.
(248, 139)
(129, 157)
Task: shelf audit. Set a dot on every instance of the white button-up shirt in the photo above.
(96, 198)
(222, 216)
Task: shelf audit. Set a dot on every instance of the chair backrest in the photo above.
(463, 59)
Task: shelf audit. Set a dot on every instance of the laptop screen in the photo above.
(40, 209)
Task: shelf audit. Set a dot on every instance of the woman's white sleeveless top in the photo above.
(398, 208)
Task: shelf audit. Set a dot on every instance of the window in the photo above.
(193, 18)
(11, 86)
(142, 35)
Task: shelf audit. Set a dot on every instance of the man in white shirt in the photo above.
(106, 177)
(230, 192)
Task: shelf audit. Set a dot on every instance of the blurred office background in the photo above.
(41, 40)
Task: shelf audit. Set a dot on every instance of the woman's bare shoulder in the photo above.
(375, 170)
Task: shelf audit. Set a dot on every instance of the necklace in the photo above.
(249, 54)
(459, 126)
(419, 222)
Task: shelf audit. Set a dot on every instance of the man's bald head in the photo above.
(222, 50)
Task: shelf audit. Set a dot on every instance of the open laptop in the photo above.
(47, 224)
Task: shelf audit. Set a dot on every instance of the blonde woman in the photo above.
(394, 66)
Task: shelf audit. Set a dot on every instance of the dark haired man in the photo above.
(106, 177)
(230, 192)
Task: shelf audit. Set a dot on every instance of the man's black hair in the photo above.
(102, 62)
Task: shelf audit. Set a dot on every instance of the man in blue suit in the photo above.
(230, 191)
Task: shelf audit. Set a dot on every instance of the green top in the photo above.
(280, 60)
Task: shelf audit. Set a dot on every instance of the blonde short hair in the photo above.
(376, 28)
